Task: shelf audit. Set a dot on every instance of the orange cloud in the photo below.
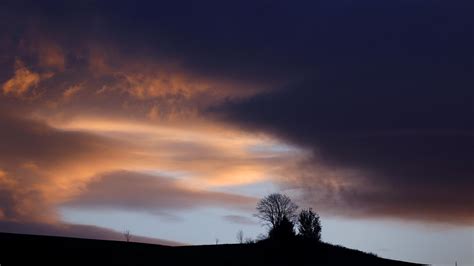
(139, 191)
(141, 117)
(49, 162)
(212, 154)
(45, 166)
(22, 80)
(69, 93)
(163, 84)
(166, 79)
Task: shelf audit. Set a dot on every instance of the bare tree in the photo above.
(217, 241)
(127, 235)
(272, 209)
(240, 236)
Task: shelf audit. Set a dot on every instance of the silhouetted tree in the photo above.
(309, 225)
(283, 231)
(273, 208)
(240, 236)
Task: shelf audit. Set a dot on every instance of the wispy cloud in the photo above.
(152, 193)
(239, 219)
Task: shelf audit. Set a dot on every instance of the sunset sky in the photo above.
(172, 118)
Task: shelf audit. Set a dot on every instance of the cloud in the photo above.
(386, 113)
(211, 154)
(397, 152)
(164, 84)
(69, 93)
(378, 96)
(22, 80)
(139, 191)
(51, 55)
(72, 152)
(102, 47)
(41, 165)
(76, 230)
(238, 219)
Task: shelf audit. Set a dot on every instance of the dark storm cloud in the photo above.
(394, 105)
(382, 88)
(412, 153)
(209, 36)
(260, 41)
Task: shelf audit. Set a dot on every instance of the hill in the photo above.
(16, 249)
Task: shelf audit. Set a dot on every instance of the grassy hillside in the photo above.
(18, 249)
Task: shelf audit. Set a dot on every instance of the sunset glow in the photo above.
(117, 115)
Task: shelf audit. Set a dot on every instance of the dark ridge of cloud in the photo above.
(261, 44)
(77, 230)
(184, 31)
(389, 119)
(139, 191)
(239, 219)
(248, 40)
(413, 147)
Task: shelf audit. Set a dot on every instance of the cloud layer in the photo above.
(389, 124)
(43, 165)
(155, 194)
(377, 95)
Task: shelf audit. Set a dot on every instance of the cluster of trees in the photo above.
(279, 213)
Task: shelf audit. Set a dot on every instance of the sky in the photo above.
(171, 119)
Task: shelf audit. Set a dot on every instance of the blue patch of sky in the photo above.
(197, 226)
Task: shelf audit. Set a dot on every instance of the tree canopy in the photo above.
(283, 231)
(273, 208)
(309, 225)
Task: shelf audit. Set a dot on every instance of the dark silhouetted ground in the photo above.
(18, 249)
